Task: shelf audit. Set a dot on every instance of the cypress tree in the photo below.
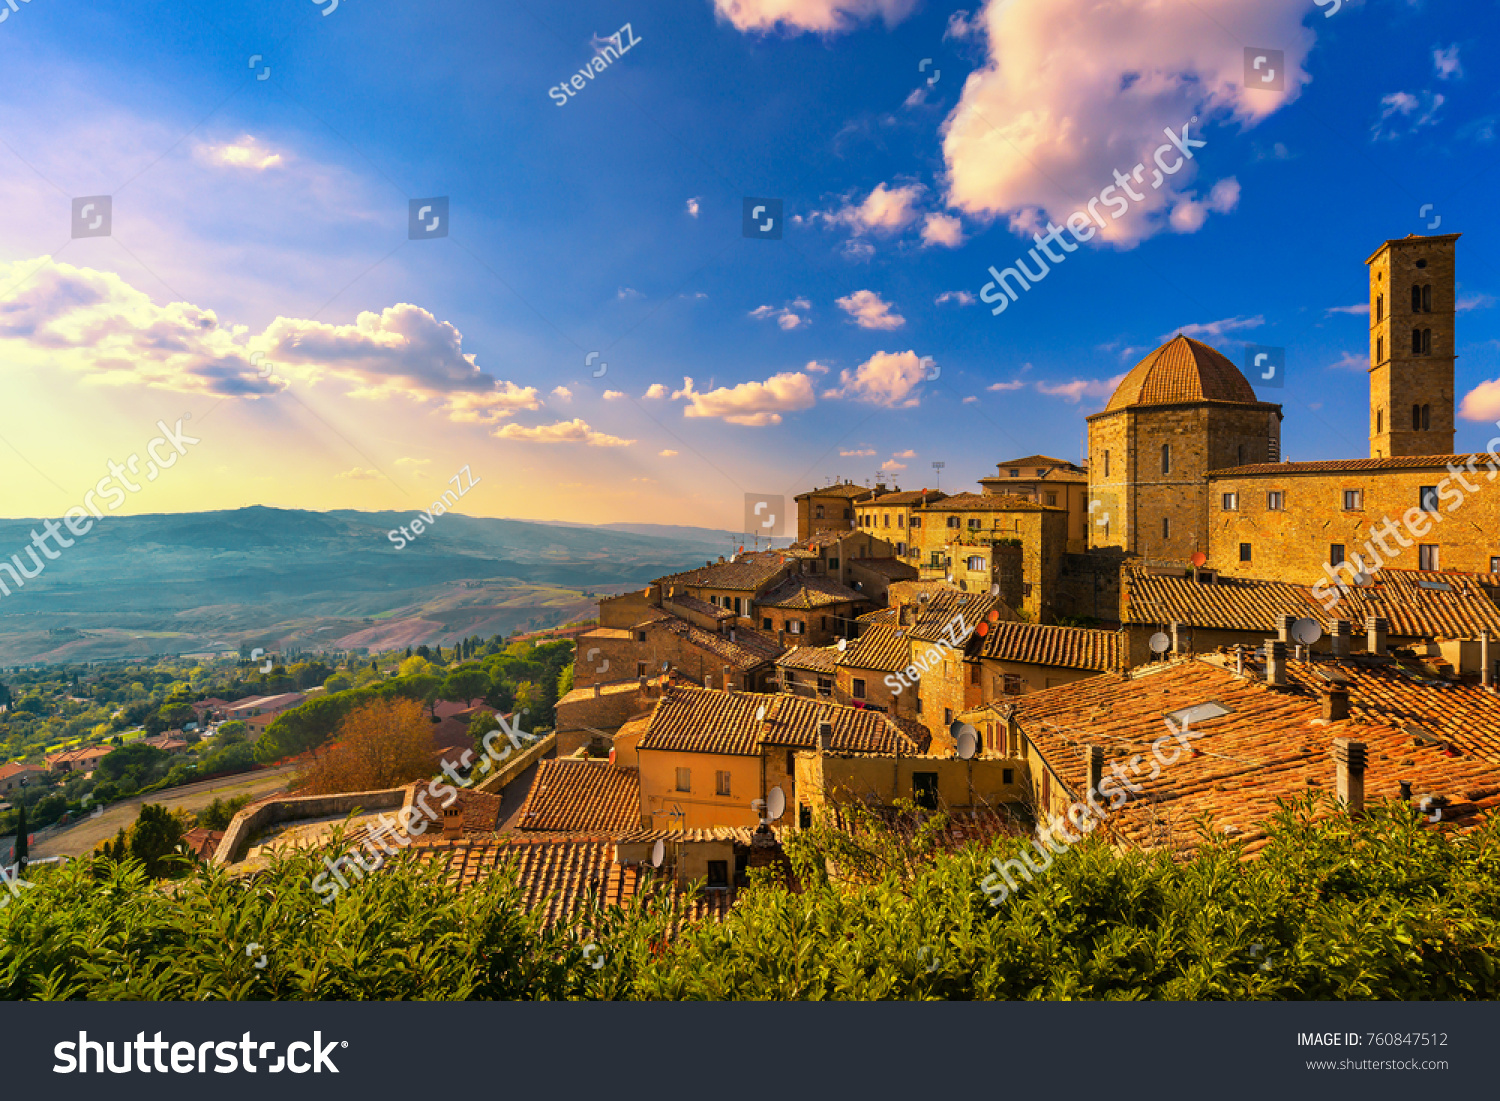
(21, 849)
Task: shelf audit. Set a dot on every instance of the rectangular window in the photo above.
(1166, 528)
(1379, 307)
(974, 525)
(1231, 502)
(1166, 458)
(721, 782)
(796, 626)
(640, 636)
(900, 519)
(1244, 552)
(737, 608)
(1276, 500)
(1336, 554)
(924, 789)
(825, 686)
(684, 779)
(718, 872)
(1353, 500)
(1052, 498)
(1015, 473)
(1007, 776)
(918, 702)
(833, 563)
(1011, 684)
(791, 762)
(1495, 565)
(640, 668)
(887, 520)
(1427, 557)
(1429, 499)
(857, 689)
(953, 521)
(1106, 464)
(765, 623)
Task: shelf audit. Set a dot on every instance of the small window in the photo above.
(1276, 500)
(1379, 355)
(718, 875)
(1495, 565)
(721, 782)
(791, 762)
(818, 513)
(1041, 473)
(1106, 464)
(1379, 417)
(1166, 458)
(794, 626)
(953, 521)
(1416, 299)
(1010, 684)
(1231, 502)
(684, 779)
(833, 563)
(974, 673)
(948, 715)
(640, 668)
(887, 520)
(825, 686)
(857, 688)
(640, 636)
(974, 524)
(1166, 528)
(900, 519)
(1379, 307)
(1007, 775)
(1015, 473)
(1416, 417)
(918, 702)
(765, 623)
(737, 607)
(1353, 500)
(1428, 500)
(1240, 455)
(1052, 499)
(1426, 417)
(1336, 554)
(1427, 298)
(1427, 557)
(1244, 552)
(924, 789)
(976, 562)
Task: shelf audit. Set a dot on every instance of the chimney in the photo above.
(1239, 660)
(1336, 705)
(1377, 631)
(825, 735)
(1177, 639)
(708, 680)
(731, 633)
(1093, 760)
(1284, 628)
(728, 684)
(1349, 782)
(453, 821)
(1343, 632)
(1276, 662)
(1486, 674)
(641, 683)
(781, 637)
(903, 615)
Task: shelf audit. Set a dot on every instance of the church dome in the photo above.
(1181, 370)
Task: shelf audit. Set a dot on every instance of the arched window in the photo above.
(1426, 341)
(1416, 299)
(1416, 417)
(1426, 417)
(1427, 298)
(1241, 455)
(1379, 420)
(1416, 341)
(819, 513)
(1166, 528)
(1379, 348)
(1379, 307)
(1166, 458)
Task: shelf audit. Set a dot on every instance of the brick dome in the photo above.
(1181, 370)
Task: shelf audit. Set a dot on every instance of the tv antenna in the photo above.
(938, 467)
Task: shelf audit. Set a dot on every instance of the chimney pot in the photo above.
(1276, 662)
(1336, 705)
(1377, 634)
(1349, 775)
(1093, 758)
(1343, 632)
(1177, 638)
(1284, 628)
(1405, 788)
(728, 684)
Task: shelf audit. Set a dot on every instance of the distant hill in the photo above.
(210, 580)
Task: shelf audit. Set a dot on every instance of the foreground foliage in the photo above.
(1380, 908)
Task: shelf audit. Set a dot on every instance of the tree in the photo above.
(22, 847)
(467, 683)
(381, 744)
(155, 839)
(339, 682)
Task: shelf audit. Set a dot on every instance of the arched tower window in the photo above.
(1379, 307)
(1166, 458)
(1379, 348)
(1416, 342)
(1416, 299)
(1380, 420)
(1427, 298)
(1426, 417)
(1416, 417)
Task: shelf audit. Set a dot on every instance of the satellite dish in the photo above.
(1199, 558)
(1307, 631)
(950, 579)
(1362, 579)
(775, 804)
(1160, 643)
(760, 714)
(658, 853)
(843, 644)
(858, 585)
(966, 737)
(665, 666)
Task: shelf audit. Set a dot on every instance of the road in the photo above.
(81, 836)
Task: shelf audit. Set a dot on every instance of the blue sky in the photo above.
(271, 215)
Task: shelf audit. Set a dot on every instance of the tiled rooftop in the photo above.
(1273, 745)
(846, 489)
(806, 591)
(905, 497)
(1181, 370)
(1066, 647)
(749, 573)
(988, 502)
(748, 649)
(688, 602)
(573, 794)
(882, 647)
(1337, 466)
(890, 567)
(818, 659)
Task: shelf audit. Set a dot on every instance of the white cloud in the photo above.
(1214, 328)
(998, 386)
(861, 453)
(869, 311)
(1081, 388)
(908, 454)
(884, 210)
(613, 395)
(407, 461)
(754, 404)
(1473, 302)
(1189, 213)
(1482, 403)
(818, 16)
(692, 207)
(891, 465)
(1403, 113)
(1072, 91)
(1357, 308)
(573, 431)
(813, 367)
(656, 390)
(245, 152)
(667, 453)
(786, 316)
(942, 229)
(1350, 361)
(562, 393)
(971, 400)
(963, 298)
(959, 27)
(886, 378)
(1446, 64)
(358, 474)
(626, 293)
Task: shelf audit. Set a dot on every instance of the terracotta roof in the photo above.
(560, 878)
(692, 603)
(701, 720)
(879, 615)
(748, 649)
(750, 573)
(1247, 604)
(989, 502)
(203, 843)
(701, 833)
(889, 567)
(882, 647)
(1067, 647)
(574, 794)
(1034, 461)
(479, 811)
(905, 497)
(1272, 746)
(807, 591)
(16, 769)
(1334, 466)
(85, 753)
(1181, 370)
(819, 659)
(950, 616)
(847, 489)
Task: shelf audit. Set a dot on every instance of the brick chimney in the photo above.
(1377, 634)
(708, 680)
(1177, 638)
(1349, 778)
(1276, 662)
(904, 615)
(825, 735)
(728, 683)
(453, 821)
(1093, 761)
(1284, 628)
(1336, 705)
(1343, 632)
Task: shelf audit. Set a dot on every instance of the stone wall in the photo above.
(1089, 585)
(253, 819)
